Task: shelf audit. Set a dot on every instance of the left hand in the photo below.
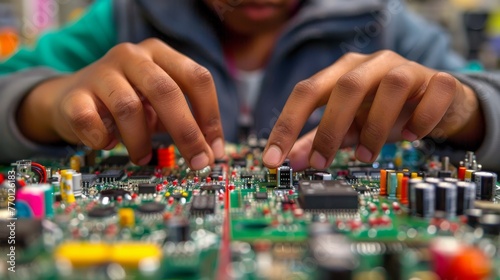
(371, 99)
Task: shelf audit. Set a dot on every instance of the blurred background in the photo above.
(473, 24)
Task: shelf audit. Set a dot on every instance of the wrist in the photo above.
(36, 113)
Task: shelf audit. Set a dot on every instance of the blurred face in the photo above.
(252, 16)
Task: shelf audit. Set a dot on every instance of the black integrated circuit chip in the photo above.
(111, 175)
(327, 195)
(102, 212)
(151, 208)
(261, 195)
(203, 204)
(115, 193)
(146, 189)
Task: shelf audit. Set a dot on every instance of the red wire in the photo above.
(44, 177)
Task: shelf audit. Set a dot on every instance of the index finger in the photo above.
(197, 84)
(304, 99)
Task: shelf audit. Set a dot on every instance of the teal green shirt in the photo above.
(63, 50)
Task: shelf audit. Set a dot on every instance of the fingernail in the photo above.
(408, 135)
(199, 161)
(363, 154)
(317, 160)
(145, 160)
(218, 148)
(272, 156)
(111, 145)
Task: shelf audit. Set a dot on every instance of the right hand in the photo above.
(132, 92)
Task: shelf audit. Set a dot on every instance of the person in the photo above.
(339, 73)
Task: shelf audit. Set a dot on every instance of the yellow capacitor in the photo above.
(468, 175)
(68, 186)
(400, 183)
(74, 163)
(83, 254)
(414, 175)
(127, 218)
(129, 255)
(272, 170)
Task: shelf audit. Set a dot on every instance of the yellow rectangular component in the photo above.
(127, 218)
(129, 255)
(272, 170)
(83, 254)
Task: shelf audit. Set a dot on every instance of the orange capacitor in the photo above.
(470, 264)
(166, 156)
(383, 182)
(404, 190)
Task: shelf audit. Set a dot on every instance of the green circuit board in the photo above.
(240, 220)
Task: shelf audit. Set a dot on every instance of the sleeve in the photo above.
(58, 52)
(423, 42)
(487, 88)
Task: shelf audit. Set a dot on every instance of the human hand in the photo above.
(130, 93)
(371, 99)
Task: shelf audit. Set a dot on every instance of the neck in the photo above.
(251, 52)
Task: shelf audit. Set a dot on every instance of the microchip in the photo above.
(211, 188)
(146, 189)
(203, 204)
(144, 174)
(151, 208)
(88, 180)
(111, 175)
(261, 195)
(114, 193)
(328, 195)
(26, 232)
(102, 212)
(362, 189)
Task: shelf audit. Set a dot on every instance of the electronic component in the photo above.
(151, 208)
(284, 176)
(115, 194)
(485, 185)
(177, 230)
(126, 217)
(327, 195)
(111, 175)
(446, 199)
(102, 212)
(466, 194)
(146, 189)
(424, 200)
(203, 204)
(261, 195)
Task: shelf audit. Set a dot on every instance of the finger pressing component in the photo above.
(172, 109)
(115, 91)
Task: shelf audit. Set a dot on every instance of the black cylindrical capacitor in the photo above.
(411, 191)
(446, 199)
(490, 223)
(466, 194)
(473, 216)
(424, 200)
(485, 185)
